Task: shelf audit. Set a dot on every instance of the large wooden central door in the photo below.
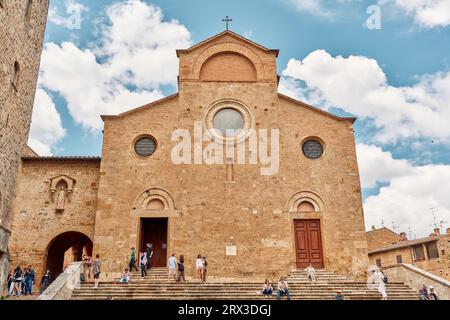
(154, 231)
(308, 243)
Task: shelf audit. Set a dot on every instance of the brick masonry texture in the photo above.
(205, 211)
(21, 39)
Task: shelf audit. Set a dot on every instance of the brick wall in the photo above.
(21, 38)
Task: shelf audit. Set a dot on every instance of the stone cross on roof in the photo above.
(227, 20)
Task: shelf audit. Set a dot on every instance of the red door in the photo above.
(308, 243)
(154, 231)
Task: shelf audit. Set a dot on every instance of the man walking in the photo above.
(133, 260)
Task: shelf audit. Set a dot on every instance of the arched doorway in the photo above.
(58, 250)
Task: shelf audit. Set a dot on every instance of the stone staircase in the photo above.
(156, 287)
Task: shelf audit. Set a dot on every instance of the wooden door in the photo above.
(154, 231)
(308, 243)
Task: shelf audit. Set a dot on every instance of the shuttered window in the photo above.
(145, 147)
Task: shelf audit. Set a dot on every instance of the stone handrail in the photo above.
(63, 286)
(416, 278)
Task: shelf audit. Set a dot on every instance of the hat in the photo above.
(431, 287)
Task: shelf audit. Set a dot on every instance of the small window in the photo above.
(418, 252)
(1, 4)
(432, 250)
(16, 73)
(378, 262)
(145, 147)
(399, 259)
(312, 149)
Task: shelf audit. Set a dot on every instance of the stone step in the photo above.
(156, 287)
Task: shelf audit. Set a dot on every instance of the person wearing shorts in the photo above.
(172, 267)
(199, 266)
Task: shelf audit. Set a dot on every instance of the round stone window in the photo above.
(145, 147)
(229, 122)
(312, 149)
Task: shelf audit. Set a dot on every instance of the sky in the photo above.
(386, 62)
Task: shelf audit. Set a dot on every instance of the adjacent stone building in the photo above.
(22, 27)
(254, 209)
(432, 253)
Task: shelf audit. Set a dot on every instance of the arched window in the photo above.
(16, 73)
(28, 4)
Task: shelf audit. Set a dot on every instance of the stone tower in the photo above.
(22, 31)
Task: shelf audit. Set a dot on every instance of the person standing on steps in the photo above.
(132, 263)
(311, 273)
(143, 264)
(96, 270)
(181, 269)
(199, 267)
(379, 280)
(150, 253)
(45, 281)
(172, 263)
(29, 280)
(205, 268)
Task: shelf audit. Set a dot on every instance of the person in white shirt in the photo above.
(172, 267)
(311, 273)
(379, 280)
(199, 266)
(143, 264)
(125, 277)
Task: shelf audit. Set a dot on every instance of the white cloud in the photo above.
(375, 165)
(428, 13)
(315, 7)
(134, 58)
(73, 18)
(358, 85)
(411, 192)
(46, 128)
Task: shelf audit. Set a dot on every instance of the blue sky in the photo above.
(405, 64)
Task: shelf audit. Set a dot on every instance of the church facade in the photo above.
(259, 210)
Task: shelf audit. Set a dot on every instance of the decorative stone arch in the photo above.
(56, 180)
(229, 48)
(308, 197)
(146, 198)
(59, 243)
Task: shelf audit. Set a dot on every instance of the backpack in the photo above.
(385, 279)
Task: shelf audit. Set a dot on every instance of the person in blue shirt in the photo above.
(29, 280)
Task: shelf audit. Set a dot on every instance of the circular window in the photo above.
(145, 147)
(312, 149)
(229, 122)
